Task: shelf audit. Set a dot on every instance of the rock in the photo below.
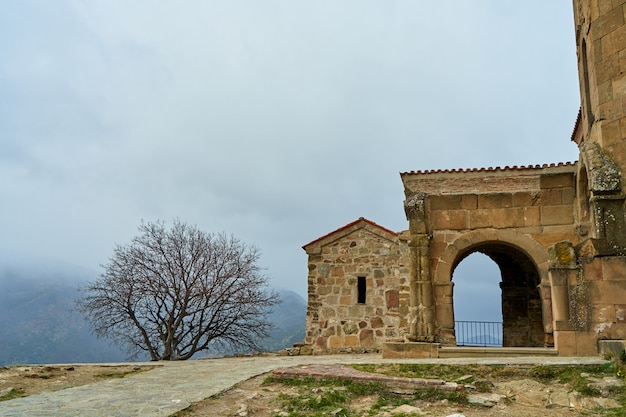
(605, 383)
(558, 399)
(526, 392)
(482, 385)
(5, 391)
(576, 400)
(306, 350)
(406, 409)
(485, 400)
(243, 410)
(252, 396)
(606, 402)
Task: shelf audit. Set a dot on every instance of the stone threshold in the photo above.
(479, 351)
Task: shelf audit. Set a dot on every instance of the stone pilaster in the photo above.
(422, 308)
(563, 273)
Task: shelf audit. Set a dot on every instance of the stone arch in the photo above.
(463, 245)
(523, 263)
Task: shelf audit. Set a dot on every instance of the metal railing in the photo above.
(478, 333)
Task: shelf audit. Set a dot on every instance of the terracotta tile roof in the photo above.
(506, 168)
(360, 219)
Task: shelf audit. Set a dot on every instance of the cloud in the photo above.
(275, 121)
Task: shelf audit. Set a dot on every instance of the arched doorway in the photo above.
(477, 277)
(522, 320)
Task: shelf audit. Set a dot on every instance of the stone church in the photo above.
(557, 233)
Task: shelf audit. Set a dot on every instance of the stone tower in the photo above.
(601, 127)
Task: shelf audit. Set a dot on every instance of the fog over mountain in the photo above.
(38, 322)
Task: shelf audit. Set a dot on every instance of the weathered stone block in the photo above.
(555, 215)
(306, 350)
(350, 328)
(480, 219)
(438, 202)
(522, 199)
(605, 91)
(366, 338)
(612, 43)
(321, 343)
(351, 341)
(441, 219)
(335, 342)
(532, 216)
(551, 197)
(490, 201)
(556, 181)
(609, 67)
(469, 202)
(392, 299)
(458, 219)
(329, 332)
(613, 347)
(614, 268)
(345, 299)
(377, 322)
(586, 344)
(509, 217)
(606, 292)
(397, 350)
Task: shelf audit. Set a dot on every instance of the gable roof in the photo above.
(360, 223)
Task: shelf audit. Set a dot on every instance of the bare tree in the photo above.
(173, 292)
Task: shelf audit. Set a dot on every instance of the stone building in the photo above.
(557, 233)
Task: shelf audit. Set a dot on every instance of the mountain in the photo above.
(289, 318)
(39, 325)
(38, 322)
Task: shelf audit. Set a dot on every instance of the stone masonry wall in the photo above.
(500, 207)
(546, 214)
(336, 321)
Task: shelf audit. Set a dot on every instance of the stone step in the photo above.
(478, 352)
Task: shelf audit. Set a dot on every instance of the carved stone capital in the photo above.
(604, 175)
(414, 207)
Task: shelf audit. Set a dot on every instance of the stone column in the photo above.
(563, 270)
(422, 311)
(547, 313)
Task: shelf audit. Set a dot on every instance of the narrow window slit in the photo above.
(361, 289)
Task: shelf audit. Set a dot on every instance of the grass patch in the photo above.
(445, 372)
(112, 375)
(576, 376)
(314, 397)
(434, 395)
(14, 393)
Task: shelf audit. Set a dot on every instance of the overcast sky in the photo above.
(276, 121)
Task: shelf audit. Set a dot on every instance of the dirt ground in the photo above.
(16, 381)
(523, 398)
(254, 398)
